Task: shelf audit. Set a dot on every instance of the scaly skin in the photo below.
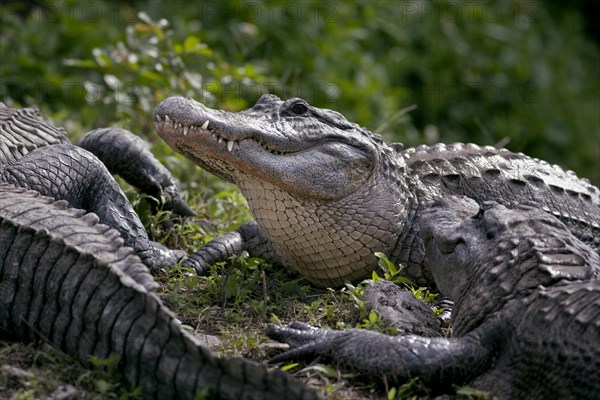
(37, 155)
(68, 279)
(129, 157)
(24, 130)
(327, 194)
(526, 319)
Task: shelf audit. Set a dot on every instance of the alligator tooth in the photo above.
(205, 125)
(220, 139)
(214, 136)
(185, 130)
(179, 125)
(158, 118)
(167, 119)
(230, 145)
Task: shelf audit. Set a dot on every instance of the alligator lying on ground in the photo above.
(526, 319)
(68, 278)
(327, 194)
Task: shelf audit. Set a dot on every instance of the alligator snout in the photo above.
(181, 109)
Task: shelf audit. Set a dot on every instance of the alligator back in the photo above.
(24, 130)
(490, 174)
(553, 352)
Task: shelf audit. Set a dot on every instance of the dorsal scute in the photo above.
(24, 130)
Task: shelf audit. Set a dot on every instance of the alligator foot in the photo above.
(248, 237)
(219, 249)
(439, 362)
(306, 342)
(156, 256)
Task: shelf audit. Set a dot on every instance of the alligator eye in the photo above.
(299, 109)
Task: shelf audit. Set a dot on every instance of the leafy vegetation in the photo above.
(507, 73)
(37, 371)
(501, 73)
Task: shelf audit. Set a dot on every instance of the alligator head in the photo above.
(326, 192)
(483, 256)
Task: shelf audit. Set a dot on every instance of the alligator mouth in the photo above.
(185, 122)
(167, 125)
(212, 145)
(236, 145)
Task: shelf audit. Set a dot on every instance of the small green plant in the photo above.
(391, 271)
(469, 393)
(372, 322)
(412, 389)
(106, 380)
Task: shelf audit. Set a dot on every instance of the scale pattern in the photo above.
(70, 280)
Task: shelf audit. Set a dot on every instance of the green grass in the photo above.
(33, 371)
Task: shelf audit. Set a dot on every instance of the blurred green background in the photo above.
(519, 74)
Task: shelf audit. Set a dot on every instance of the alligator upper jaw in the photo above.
(203, 134)
(188, 116)
(234, 145)
(171, 130)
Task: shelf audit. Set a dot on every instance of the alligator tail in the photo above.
(67, 279)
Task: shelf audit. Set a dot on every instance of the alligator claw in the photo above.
(156, 256)
(306, 342)
(177, 204)
(219, 249)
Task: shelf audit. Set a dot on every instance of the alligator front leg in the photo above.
(439, 362)
(248, 237)
(128, 156)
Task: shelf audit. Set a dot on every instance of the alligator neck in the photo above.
(409, 251)
(329, 242)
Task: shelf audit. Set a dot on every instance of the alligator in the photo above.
(328, 194)
(526, 317)
(74, 264)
